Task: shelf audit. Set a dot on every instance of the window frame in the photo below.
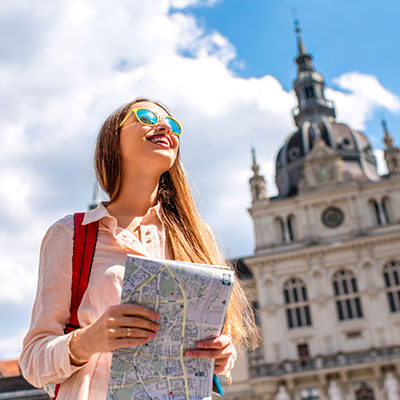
(347, 297)
(297, 304)
(391, 280)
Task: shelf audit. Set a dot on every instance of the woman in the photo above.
(150, 213)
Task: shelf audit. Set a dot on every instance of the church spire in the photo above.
(303, 59)
(392, 152)
(387, 138)
(300, 45)
(257, 181)
(255, 167)
(309, 87)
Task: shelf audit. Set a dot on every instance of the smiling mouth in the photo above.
(160, 140)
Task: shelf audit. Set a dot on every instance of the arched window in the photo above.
(391, 276)
(280, 228)
(309, 92)
(386, 209)
(348, 303)
(290, 225)
(297, 307)
(363, 391)
(375, 210)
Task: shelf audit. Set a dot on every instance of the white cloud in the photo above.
(187, 3)
(361, 95)
(77, 62)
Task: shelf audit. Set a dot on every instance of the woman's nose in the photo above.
(163, 125)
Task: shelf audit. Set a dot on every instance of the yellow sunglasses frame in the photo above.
(135, 110)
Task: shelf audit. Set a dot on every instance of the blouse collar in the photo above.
(101, 212)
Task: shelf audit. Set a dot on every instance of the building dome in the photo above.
(352, 145)
(315, 117)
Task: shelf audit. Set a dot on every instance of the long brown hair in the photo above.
(188, 237)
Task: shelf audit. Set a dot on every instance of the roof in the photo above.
(9, 369)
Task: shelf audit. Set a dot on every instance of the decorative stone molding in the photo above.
(323, 167)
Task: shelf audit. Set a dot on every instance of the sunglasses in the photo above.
(151, 118)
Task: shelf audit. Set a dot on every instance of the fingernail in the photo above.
(189, 353)
(200, 345)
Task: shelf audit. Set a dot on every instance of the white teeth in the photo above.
(160, 139)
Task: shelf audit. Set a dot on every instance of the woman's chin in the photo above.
(162, 165)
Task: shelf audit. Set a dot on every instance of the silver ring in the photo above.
(128, 332)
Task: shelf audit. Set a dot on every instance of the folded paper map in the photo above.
(192, 300)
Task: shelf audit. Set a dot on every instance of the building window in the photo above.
(290, 225)
(297, 307)
(304, 354)
(385, 209)
(376, 211)
(348, 303)
(285, 228)
(280, 227)
(391, 276)
(309, 92)
(311, 393)
(363, 391)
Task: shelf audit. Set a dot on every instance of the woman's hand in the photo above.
(123, 325)
(220, 348)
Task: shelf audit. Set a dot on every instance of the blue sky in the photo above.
(225, 68)
(342, 36)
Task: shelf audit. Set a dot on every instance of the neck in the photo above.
(138, 193)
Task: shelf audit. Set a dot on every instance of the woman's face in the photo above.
(149, 149)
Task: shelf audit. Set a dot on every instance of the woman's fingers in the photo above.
(220, 348)
(218, 342)
(135, 322)
(136, 310)
(133, 333)
(122, 325)
(219, 369)
(223, 365)
(132, 320)
(226, 363)
(210, 353)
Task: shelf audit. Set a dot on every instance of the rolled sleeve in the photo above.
(44, 359)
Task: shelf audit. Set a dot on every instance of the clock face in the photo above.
(323, 173)
(332, 217)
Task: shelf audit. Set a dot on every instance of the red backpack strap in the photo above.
(85, 237)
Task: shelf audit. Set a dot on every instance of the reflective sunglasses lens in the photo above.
(174, 126)
(146, 117)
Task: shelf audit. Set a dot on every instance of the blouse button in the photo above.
(147, 233)
(148, 241)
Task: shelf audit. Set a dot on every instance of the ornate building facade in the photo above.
(325, 274)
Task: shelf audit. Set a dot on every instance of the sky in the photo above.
(225, 68)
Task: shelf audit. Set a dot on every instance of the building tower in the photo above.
(325, 273)
(257, 182)
(392, 152)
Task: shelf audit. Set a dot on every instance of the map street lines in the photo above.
(192, 300)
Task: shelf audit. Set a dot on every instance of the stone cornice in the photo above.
(317, 250)
(341, 191)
